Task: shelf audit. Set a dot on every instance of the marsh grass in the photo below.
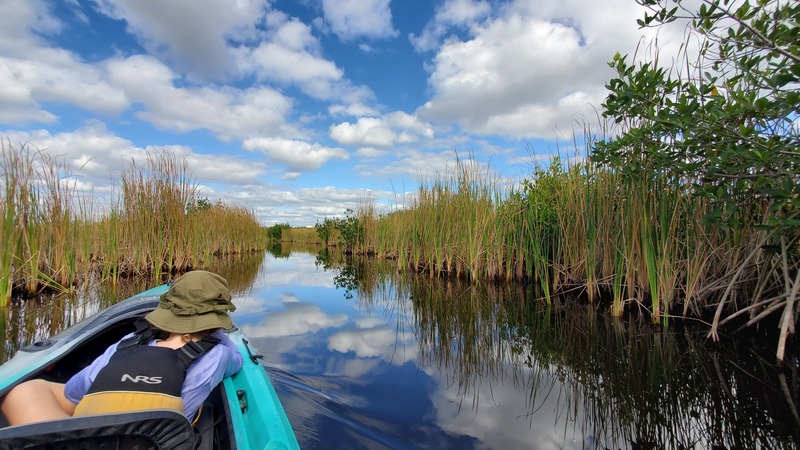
(638, 242)
(450, 228)
(55, 239)
(300, 235)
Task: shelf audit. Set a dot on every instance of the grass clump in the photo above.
(53, 238)
(638, 243)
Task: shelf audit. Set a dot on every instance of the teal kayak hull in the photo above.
(258, 418)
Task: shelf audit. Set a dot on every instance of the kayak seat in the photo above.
(157, 429)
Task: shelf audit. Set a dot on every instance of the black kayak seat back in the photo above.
(158, 429)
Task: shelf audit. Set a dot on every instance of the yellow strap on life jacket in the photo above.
(125, 401)
(197, 415)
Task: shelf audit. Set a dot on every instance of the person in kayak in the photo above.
(173, 363)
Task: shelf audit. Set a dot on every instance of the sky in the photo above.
(302, 109)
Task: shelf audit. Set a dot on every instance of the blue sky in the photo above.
(302, 109)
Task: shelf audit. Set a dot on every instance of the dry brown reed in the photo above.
(55, 239)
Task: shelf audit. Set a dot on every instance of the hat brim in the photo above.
(164, 319)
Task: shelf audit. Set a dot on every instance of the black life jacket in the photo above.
(139, 376)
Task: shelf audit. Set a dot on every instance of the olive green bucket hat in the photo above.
(195, 301)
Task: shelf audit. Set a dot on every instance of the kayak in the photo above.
(242, 413)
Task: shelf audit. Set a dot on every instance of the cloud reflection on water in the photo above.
(297, 318)
(373, 338)
(497, 412)
(348, 354)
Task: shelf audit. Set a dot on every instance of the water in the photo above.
(362, 357)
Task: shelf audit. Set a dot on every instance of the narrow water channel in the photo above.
(364, 358)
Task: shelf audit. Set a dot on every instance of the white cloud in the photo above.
(228, 112)
(296, 155)
(293, 56)
(17, 115)
(303, 207)
(91, 151)
(216, 167)
(546, 120)
(367, 131)
(97, 156)
(370, 152)
(381, 132)
(414, 163)
(192, 34)
(511, 65)
(530, 68)
(407, 122)
(21, 21)
(290, 176)
(353, 19)
(46, 75)
(354, 109)
(452, 13)
(458, 12)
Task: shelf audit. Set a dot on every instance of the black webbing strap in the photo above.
(193, 350)
(143, 334)
(189, 352)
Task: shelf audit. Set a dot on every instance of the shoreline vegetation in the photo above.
(585, 231)
(56, 238)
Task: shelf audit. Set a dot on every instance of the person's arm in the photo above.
(234, 362)
(207, 372)
(79, 384)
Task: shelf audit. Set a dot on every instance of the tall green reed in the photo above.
(637, 240)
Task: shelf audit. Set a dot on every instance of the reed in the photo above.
(637, 239)
(301, 235)
(451, 228)
(8, 229)
(54, 239)
(154, 198)
(367, 217)
(38, 224)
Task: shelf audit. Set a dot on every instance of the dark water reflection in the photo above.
(26, 321)
(362, 357)
(365, 358)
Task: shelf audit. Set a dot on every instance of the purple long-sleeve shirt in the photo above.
(202, 376)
